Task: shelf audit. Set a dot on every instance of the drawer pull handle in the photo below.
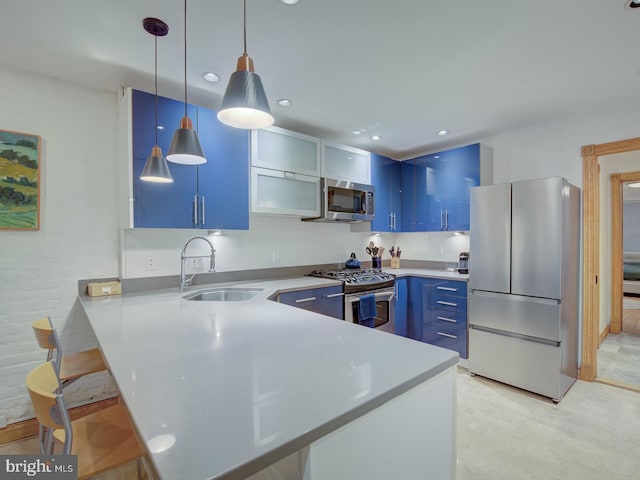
(333, 295)
(448, 289)
(446, 335)
(451, 304)
(308, 299)
(447, 319)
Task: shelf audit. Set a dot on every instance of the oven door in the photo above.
(385, 309)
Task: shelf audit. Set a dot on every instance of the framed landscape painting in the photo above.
(19, 181)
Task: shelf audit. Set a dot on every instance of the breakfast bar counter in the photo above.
(226, 389)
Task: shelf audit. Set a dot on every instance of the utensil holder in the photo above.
(376, 262)
(395, 262)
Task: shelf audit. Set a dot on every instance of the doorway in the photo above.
(618, 355)
(591, 249)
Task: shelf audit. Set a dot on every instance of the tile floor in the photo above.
(619, 358)
(508, 434)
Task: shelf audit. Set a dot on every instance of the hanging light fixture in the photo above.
(245, 104)
(185, 147)
(156, 168)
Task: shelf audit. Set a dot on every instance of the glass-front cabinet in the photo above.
(346, 163)
(279, 149)
(284, 193)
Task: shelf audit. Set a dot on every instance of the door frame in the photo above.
(591, 248)
(617, 247)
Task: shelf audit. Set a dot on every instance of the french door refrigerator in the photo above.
(523, 284)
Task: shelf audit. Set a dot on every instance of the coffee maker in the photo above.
(463, 262)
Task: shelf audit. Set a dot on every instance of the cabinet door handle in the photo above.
(195, 209)
(303, 300)
(446, 335)
(202, 207)
(395, 226)
(441, 219)
(290, 175)
(446, 219)
(333, 295)
(451, 304)
(447, 319)
(448, 289)
(391, 222)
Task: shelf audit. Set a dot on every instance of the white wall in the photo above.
(77, 238)
(631, 226)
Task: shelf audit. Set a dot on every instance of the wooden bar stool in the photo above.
(102, 440)
(68, 367)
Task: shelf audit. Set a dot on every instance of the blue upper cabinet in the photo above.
(439, 185)
(223, 182)
(214, 195)
(385, 176)
(160, 205)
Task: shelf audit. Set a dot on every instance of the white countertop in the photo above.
(239, 385)
(424, 272)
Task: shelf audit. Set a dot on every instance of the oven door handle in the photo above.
(384, 296)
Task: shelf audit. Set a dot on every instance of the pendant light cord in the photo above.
(185, 58)
(245, 27)
(156, 85)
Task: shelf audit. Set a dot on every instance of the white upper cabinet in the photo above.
(284, 193)
(279, 149)
(346, 163)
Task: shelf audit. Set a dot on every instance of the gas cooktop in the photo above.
(358, 279)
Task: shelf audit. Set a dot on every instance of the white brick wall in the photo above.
(78, 237)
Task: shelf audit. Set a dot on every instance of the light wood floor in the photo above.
(631, 321)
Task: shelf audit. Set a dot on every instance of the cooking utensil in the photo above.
(392, 251)
(369, 251)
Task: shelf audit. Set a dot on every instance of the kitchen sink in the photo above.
(223, 295)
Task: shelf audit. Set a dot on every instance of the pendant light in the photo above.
(156, 168)
(185, 147)
(245, 104)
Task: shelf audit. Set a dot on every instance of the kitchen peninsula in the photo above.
(227, 389)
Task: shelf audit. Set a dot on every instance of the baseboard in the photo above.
(604, 334)
(29, 428)
(616, 383)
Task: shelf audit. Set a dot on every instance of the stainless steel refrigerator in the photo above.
(523, 284)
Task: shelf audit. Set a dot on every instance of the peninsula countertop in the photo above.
(224, 389)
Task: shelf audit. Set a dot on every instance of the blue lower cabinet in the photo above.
(418, 294)
(445, 317)
(326, 301)
(401, 301)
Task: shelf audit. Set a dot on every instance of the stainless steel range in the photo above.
(360, 282)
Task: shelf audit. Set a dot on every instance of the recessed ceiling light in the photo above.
(442, 133)
(290, 2)
(211, 77)
(160, 127)
(375, 137)
(356, 132)
(634, 185)
(285, 102)
(633, 4)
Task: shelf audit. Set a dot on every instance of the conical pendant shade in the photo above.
(245, 104)
(185, 146)
(156, 168)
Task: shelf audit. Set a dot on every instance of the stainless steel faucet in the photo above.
(184, 281)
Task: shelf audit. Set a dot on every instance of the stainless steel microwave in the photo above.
(344, 201)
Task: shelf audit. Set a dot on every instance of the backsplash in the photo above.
(274, 242)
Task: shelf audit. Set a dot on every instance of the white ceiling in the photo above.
(401, 69)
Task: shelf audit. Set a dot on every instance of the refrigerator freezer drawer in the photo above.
(533, 317)
(529, 365)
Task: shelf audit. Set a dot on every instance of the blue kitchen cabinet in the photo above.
(325, 300)
(386, 178)
(401, 304)
(223, 182)
(160, 205)
(408, 195)
(417, 286)
(445, 315)
(214, 195)
(436, 188)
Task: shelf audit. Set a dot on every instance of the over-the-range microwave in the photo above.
(344, 201)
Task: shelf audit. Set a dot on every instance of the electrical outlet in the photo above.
(275, 256)
(196, 262)
(149, 264)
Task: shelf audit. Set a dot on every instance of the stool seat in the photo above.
(102, 440)
(69, 366)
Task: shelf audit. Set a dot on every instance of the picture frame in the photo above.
(19, 180)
